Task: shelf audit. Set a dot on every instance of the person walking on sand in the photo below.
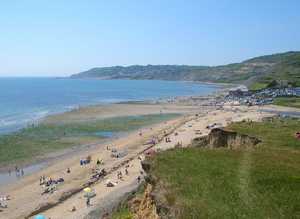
(17, 171)
(88, 201)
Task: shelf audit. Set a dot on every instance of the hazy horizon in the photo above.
(42, 39)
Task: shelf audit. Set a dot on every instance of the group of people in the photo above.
(19, 171)
(97, 174)
(85, 161)
(168, 139)
(3, 201)
(120, 175)
(49, 184)
(49, 181)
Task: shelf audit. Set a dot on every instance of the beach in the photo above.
(149, 109)
(26, 199)
(116, 119)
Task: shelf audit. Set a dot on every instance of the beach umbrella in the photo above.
(40, 217)
(87, 189)
(89, 192)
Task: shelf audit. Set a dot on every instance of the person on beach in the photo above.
(119, 175)
(42, 180)
(68, 170)
(126, 171)
(17, 171)
(88, 201)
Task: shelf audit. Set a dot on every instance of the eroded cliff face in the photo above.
(144, 207)
(162, 200)
(157, 202)
(221, 138)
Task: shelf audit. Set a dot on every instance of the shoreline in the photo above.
(57, 168)
(144, 108)
(220, 87)
(50, 157)
(53, 156)
(188, 107)
(186, 126)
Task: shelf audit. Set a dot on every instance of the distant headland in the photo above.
(256, 73)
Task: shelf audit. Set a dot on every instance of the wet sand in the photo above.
(107, 111)
(87, 114)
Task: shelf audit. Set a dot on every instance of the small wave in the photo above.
(20, 120)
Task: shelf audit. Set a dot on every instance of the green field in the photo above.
(122, 213)
(288, 101)
(258, 183)
(31, 142)
(257, 86)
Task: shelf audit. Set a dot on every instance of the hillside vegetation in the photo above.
(256, 72)
(263, 182)
(287, 101)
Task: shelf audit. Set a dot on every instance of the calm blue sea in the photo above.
(24, 100)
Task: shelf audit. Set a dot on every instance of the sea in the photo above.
(24, 101)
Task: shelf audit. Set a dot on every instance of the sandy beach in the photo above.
(149, 109)
(26, 199)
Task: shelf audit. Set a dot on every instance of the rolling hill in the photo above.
(256, 73)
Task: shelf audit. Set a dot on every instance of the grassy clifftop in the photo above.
(263, 182)
(255, 72)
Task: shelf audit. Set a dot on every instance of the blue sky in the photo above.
(58, 38)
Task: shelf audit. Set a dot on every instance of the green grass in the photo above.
(288, 101)
(122, 213)
(259, 183)
(31, 142)
(258, 86)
